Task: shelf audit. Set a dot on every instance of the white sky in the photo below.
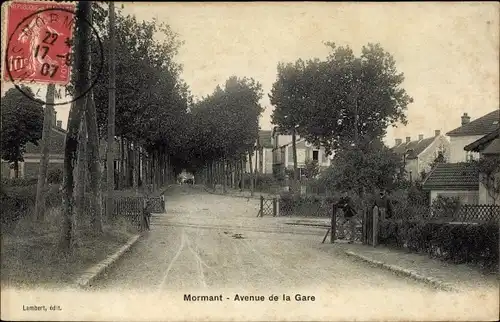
(447, 51)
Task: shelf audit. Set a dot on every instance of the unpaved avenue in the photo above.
(206, 242)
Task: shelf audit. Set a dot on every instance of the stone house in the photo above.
(471, 131)
(283, 153)
(418, 155)
(30, 166)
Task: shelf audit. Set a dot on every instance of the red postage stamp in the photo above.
(39, 42)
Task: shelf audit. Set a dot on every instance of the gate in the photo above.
(268, 207)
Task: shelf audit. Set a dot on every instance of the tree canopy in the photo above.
(22, 122)
(322, 98)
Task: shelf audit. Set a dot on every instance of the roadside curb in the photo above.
(97, 270)
(406, 272)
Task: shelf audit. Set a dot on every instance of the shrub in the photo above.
(19, 182)
(476, 244)
(55, 176)
(18, 201)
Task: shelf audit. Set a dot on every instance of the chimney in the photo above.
(399, 141)
(408, 139)
(420, 137)
(437, 132)
(59, 124)
(54, 118)
(465, 119)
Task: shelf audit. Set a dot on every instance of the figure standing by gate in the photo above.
(346, 205)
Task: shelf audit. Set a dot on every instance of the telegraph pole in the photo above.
(111, 114)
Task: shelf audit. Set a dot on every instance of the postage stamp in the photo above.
(39, 45)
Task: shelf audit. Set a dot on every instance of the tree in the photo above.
(44, 158)
(489, 174)
(440, 158)
(290, 96)
(80, 66)
(312, 168)
(375, 166)
(352, 99)
(22, 122)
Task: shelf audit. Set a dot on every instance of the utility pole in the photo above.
(111, 114)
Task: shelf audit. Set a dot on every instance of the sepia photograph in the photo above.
(250, 161)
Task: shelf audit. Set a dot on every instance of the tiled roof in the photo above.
(453, 176)
(481, 126)
(416, 146)
(488, 143)
(265, 138)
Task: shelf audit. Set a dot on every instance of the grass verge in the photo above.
(30, 255)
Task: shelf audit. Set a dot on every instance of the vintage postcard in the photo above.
(253, 161)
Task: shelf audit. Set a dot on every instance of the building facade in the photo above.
(418, 155)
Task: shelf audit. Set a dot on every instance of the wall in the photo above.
(486, 198)
(428, 156)
(5, 169)
(457, 144)
(31, 166)
(267, 161)
(466, 197)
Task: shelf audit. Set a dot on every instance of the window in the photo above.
(315, 155)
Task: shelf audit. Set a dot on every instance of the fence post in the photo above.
(364, 238)
(163, 202)
(261, 206)
(333, 228)
(277, 206)
(375, 226)
(274, 207)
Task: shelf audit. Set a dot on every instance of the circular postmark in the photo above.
(39, 51)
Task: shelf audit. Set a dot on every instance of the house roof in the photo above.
(265, 138)
(453, 176)
(481, 126)
(488, 144)
(57, 142)
(414, 147)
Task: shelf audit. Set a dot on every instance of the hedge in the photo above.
(470, 243)
(19, 200)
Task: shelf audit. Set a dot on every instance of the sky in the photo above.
(448, 52)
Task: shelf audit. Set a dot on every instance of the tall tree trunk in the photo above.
(251, 173)
(242, 171)
(44, 157)
(111, 115)
(81, 65)
(16, 169)
(137, 167)
(80, 178)
(94, 167)
(224, 175)
(122, 164)
(295, 167)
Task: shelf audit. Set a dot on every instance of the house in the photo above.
(262, 159)
(461, 177)
(31, 165)
(454, 180)
(283, 153)
(469, 132)
(418, 155)
(488, 146)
